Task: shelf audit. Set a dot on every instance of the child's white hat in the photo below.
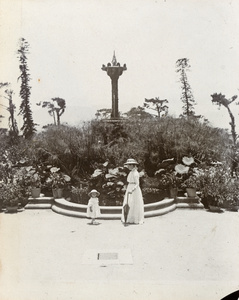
(131, 161)
(94, 191)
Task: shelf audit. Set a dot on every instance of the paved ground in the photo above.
(186, 254)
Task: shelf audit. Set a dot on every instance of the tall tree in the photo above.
(219, 100)
(2, 84)
(138, 113)
(60, 109)
(28, 128)
(12, 123)
(156, 104)
(55, 111)
(51, 108)
(103, 113)
(182, 67)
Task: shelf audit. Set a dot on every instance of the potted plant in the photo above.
(35, 182)
(191, 184)
(170, 175)
(11, 195)
(58, 181)
(169, 181)
(29, 179)
(172, 180)
(189, 176)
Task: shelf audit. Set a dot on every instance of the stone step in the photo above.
(188, 200)
(190, 205)
(40, 202)
(38, 206)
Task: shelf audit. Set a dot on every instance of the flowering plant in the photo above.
(193, 180)
(6, 167)
(10, 193)
(149, 187)
(217, 185)
(150, 190)
(111, 182)
(31, 176)
(169, 179)
(57, 179)
(189, 173)
(171, 174)
(35, 178)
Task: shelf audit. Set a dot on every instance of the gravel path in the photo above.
(186, 254)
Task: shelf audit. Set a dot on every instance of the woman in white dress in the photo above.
(133, 196)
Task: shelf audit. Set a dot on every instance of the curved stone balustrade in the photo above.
(67, 208)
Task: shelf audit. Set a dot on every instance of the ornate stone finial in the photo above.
(114, 60)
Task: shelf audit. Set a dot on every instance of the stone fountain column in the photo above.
(114, 71)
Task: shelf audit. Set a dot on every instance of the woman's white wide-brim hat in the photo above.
(131, 161)
(94, 191)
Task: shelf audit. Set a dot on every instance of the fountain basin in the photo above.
(67, 208)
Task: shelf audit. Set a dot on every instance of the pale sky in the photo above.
(71, 39)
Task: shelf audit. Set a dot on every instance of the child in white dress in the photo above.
(93, 208)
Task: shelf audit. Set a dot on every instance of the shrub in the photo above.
(77, 150)
(79, 194)
(217, 187)
(11, 194)
(110, 182)
(57, 179)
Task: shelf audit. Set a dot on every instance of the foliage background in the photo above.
(76, 150)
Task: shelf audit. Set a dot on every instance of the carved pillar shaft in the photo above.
(115, 98)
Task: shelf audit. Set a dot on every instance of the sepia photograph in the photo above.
(119, 150)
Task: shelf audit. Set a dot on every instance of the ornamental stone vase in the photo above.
(173, 192)
(35, 192)
(57, 193)
(191, 192)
